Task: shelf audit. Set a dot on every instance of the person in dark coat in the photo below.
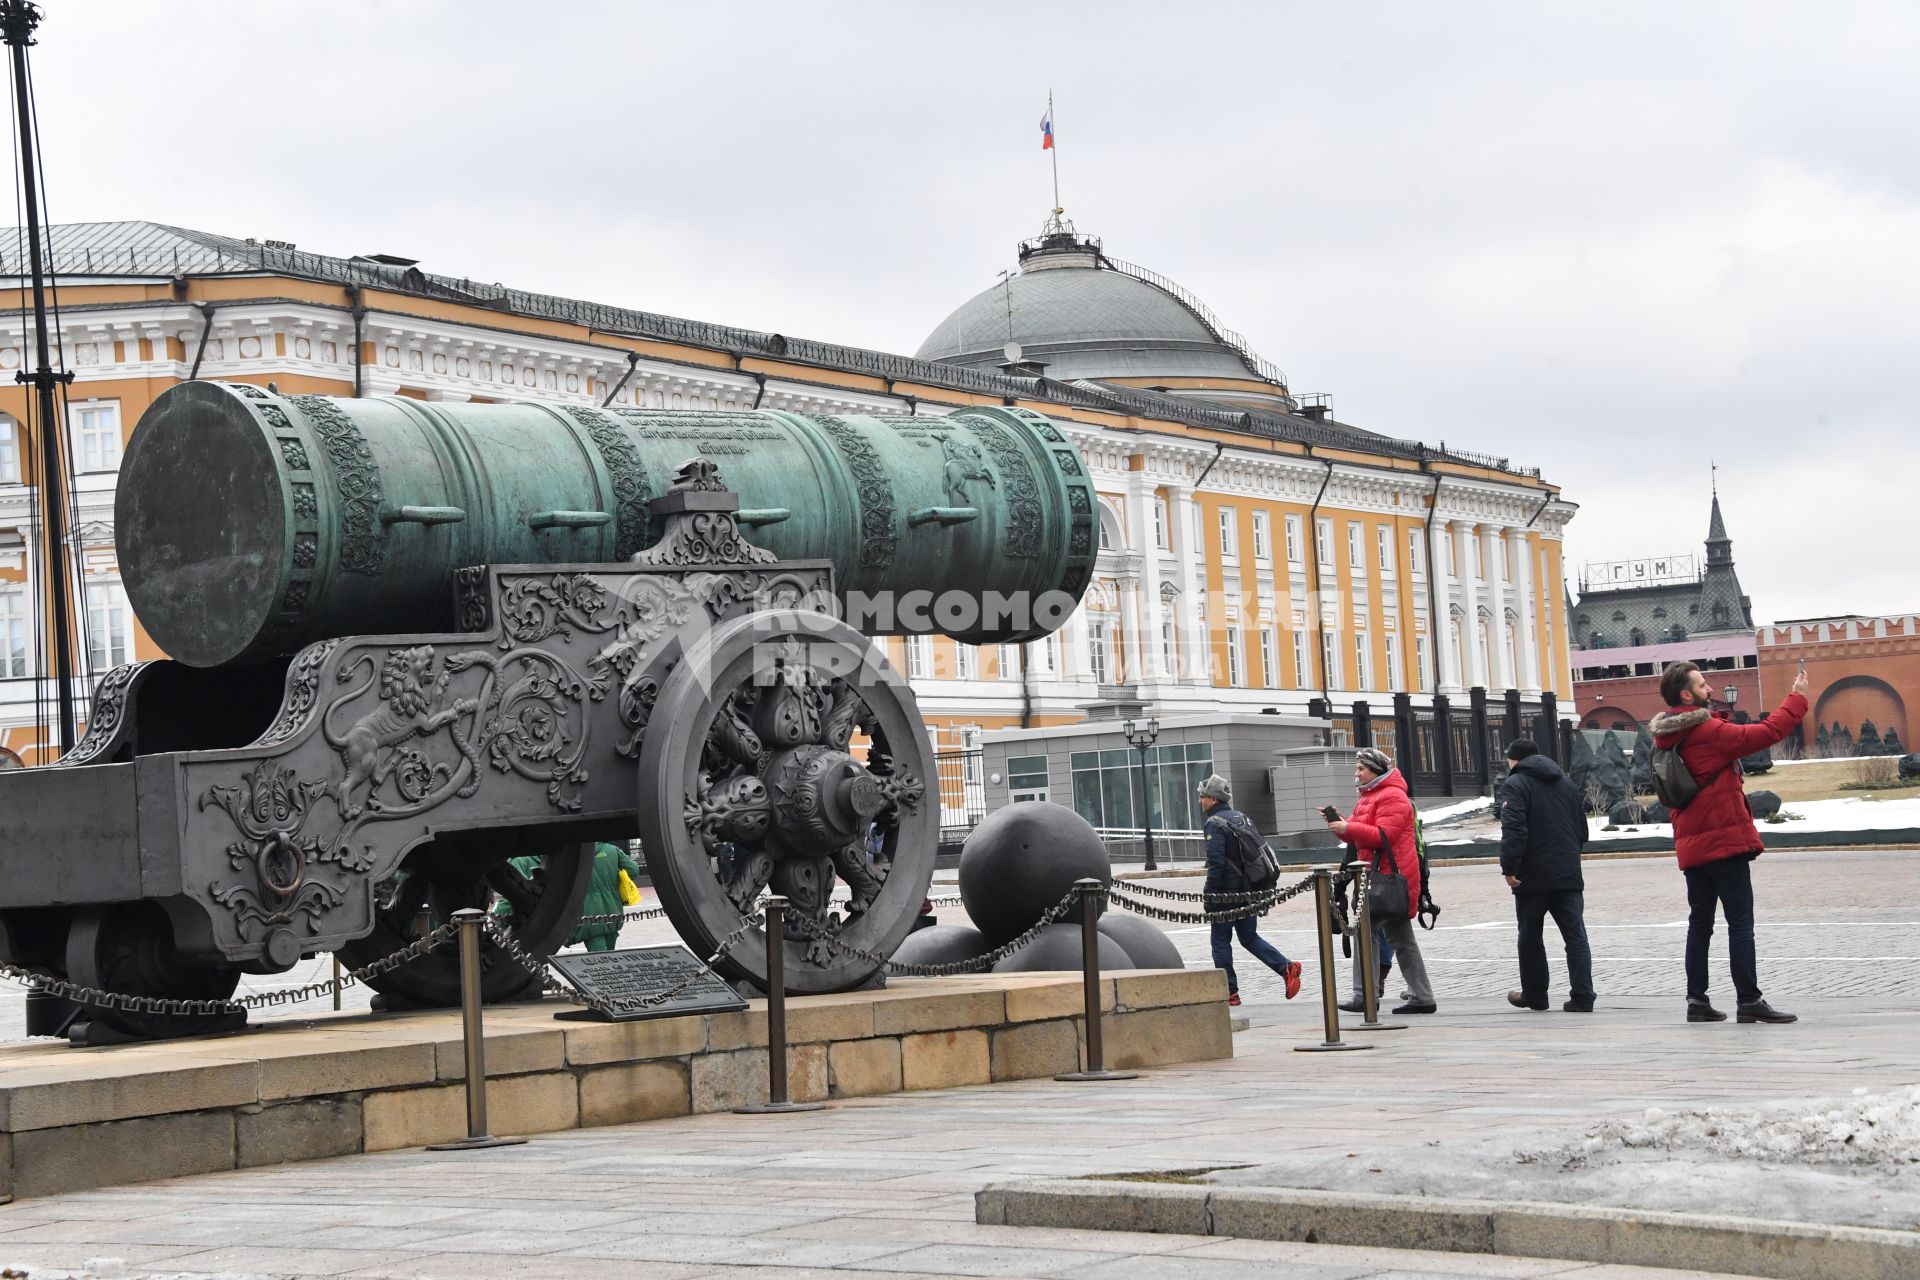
(1224, 876)
(1713, 836)
(1543, 827)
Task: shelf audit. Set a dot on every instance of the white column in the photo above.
(1073, 646)
(1493, 552)
(1473, 671)
(1529, 656)
(1140, 515)
(1447, 662)
(1189, 627)
(1130, 615)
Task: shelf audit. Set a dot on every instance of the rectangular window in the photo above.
(1027, 778)
(1330, 659)
(1098, 655)
(1007, 659)
(16, 635)
(1323, 542)
(1269, 666)
(1416, 551)
(1236, 661)
(1393, 665)
(1387, 565)
(1302, 673)
(1293, 540)
(1423, 671)
(1160, 524)
(107, 624)
(1262, 537)
(1356, 549)
(96, 436)
(1041, 655)
(1362, 661)
(1106, 785)
(1168, 651)
(966, 661)
(9, 450)
(919, 654)
(1229, 537)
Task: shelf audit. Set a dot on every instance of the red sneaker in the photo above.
(1292, 975)
(1233, 997)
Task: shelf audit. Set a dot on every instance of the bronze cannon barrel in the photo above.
(250, 523)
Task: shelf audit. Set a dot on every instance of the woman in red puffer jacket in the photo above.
(1383, 815)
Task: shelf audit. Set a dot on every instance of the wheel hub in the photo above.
(823, 799)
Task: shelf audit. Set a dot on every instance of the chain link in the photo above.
(1265, 901)
(95, 998)
(1154, 891)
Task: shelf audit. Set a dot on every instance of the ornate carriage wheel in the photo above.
(434, 882)
(779, 742)
(127, 948)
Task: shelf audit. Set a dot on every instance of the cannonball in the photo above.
(942, 944)
(1057, 948)
(1022, 860)
(1654, 811)
(1763, 803)
(1144, 941)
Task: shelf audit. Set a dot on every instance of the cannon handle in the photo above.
(942, 516)
(421, 515)
(754, 518)
(569, 519)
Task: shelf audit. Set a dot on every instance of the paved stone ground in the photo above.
(883, 1187)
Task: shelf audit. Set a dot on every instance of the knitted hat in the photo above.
(1217, 788)
(1375, 760)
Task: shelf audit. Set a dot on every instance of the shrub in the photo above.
(1876, 771)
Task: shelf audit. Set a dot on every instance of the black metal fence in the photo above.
(963, 792)
(1453, 750)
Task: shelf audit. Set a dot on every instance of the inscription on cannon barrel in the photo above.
(644, 973)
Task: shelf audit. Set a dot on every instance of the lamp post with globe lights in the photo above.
(1141, 738)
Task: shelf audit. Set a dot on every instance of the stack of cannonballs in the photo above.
(1017, 863)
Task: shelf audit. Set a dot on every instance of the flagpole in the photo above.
(1055, 150)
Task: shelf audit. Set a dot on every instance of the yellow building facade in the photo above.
(1254, 553)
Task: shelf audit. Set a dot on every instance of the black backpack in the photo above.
(1258, 863)
(1673, 782)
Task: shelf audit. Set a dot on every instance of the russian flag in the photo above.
(1046, 130)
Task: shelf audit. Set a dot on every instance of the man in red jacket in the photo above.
(1714, 835)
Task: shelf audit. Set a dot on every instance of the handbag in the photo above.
(1387, 893)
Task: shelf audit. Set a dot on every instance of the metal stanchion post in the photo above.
(777, 1100)
(1329, 984)
(1091, 892)
(1370, 972)
(471, 921)
(336, 981)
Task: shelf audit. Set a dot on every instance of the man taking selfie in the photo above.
(1713, 832)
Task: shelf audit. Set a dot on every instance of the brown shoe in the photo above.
(1518, 999)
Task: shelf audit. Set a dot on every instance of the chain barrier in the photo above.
(95, 998)
(979, 964)
(1154, 891)
(1265, 902)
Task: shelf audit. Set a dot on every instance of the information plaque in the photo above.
(641, 973)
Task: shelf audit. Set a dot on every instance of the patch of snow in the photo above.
(1454, 809)
(1852, 1161)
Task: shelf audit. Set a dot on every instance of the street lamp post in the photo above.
(1141, 737)
(1732, 694)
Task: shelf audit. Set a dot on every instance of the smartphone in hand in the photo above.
(1330, 813)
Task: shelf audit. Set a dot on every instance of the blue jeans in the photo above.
(1382, 949)
(1263, 951)
(1567, 909)
(1728, 882)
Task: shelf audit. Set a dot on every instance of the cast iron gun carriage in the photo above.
(411, 640)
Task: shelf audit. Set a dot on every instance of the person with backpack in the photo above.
(1381, 832)
(1233, 847)
(1543, 827)
(1696, 773)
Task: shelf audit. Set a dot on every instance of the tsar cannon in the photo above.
(412, 640)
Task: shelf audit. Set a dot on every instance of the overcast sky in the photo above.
(1617, 241)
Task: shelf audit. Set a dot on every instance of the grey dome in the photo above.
(1084, 319)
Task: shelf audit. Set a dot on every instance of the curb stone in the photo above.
(1577, 1233)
